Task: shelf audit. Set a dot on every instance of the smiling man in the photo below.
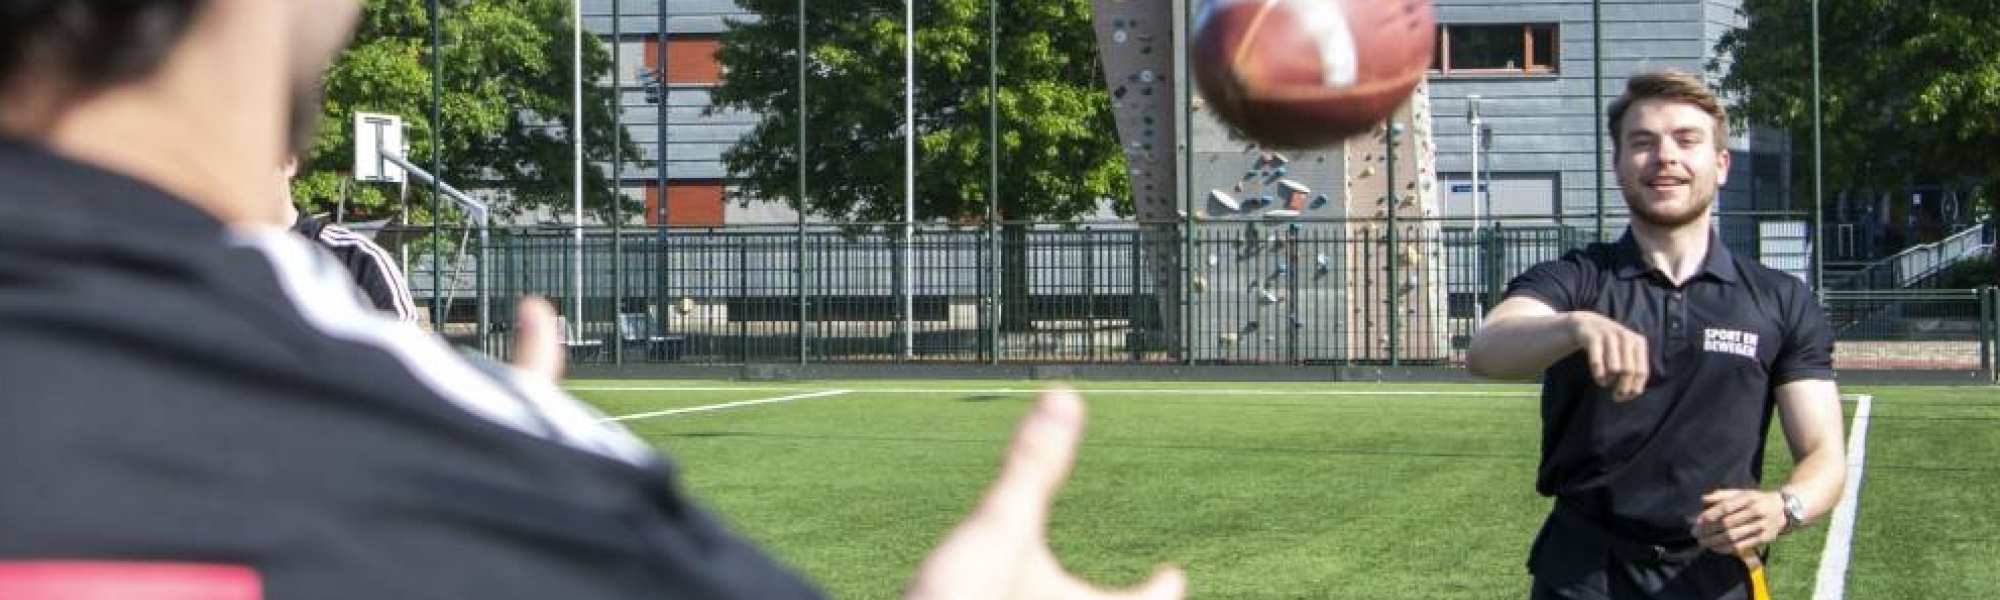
(1663, 356)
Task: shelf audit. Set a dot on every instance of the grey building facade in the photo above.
(1537, 99)
(1529, 60)
(693, 140)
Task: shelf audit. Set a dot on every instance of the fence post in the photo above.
(485, 295)
(1993, 325)
(1089, 239)
(1293, 320)
(742, 296)
(617, 287)
(1133, 305)
(1188, 271)
(1492, 259)
(1989, 331)
(799, 281)
(995, 280)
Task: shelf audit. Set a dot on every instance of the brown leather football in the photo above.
(1310, 73)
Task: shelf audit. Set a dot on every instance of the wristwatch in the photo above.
(1795, 511)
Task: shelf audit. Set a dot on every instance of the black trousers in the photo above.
(1574, 559)
(1710, 577)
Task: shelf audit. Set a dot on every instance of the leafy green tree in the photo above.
(1910, 87)
(506, 105)
(1059, 154)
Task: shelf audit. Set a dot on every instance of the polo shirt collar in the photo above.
(1719, 263)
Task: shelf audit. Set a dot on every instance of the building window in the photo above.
(1528, 49)
(690, 59)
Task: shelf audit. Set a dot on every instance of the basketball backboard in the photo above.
(373, 132)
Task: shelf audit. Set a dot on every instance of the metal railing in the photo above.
(1917, 264)
(1920, 330)
(1301, 292)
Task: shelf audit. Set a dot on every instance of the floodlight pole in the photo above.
(1819, 194)
(576, 166)
(438, 315)
(617, 180)
(909, 173)
(805, 348)
(1597, 107)
(1472, 116)
(993, 175)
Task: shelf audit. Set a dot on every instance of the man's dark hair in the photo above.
(93, 43)
(1671, 86)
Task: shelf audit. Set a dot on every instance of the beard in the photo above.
(302, 114)
(1666, 218)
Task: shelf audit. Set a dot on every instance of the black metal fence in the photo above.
(1916, 330)
(1306, 292)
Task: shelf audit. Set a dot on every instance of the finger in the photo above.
(1746, 540)
(1711, 515)
(536, 349)
(1607, 358)
(1718, 543)
(1743, 518)
(1741, 503)
(1729, 541)
(1720, 511)
(1630, 385)
(1039, 459)
(1720, 498)
(1599, 370)
(1636, 364)
(1622, 345)
(1168, 583)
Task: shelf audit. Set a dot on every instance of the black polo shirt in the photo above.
(179, 391)
(1720, 345)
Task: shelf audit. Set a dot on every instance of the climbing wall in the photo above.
(1136, 39)
(1290, 253)
(1259, 279)
(1417, 295)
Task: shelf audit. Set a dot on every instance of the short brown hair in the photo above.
(93, 43)
(1672, 86)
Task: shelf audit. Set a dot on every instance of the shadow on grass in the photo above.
(993, 397)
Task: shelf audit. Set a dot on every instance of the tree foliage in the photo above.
(506, 107)
(1059, 148)
(1911, 87)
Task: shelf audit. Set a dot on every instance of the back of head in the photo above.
(87, 45)
(134, 86)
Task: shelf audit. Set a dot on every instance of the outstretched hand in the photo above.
(1001, 552)
(536, 347)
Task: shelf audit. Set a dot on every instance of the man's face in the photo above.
(320, 29)
(1668, 164)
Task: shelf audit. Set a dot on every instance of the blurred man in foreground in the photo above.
(197, 403)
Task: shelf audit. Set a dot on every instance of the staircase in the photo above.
(1914, 265)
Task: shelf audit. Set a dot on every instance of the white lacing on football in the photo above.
(1326, 22)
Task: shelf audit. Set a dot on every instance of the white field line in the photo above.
(1085, 391)
(1832, 580)
(726, 405)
